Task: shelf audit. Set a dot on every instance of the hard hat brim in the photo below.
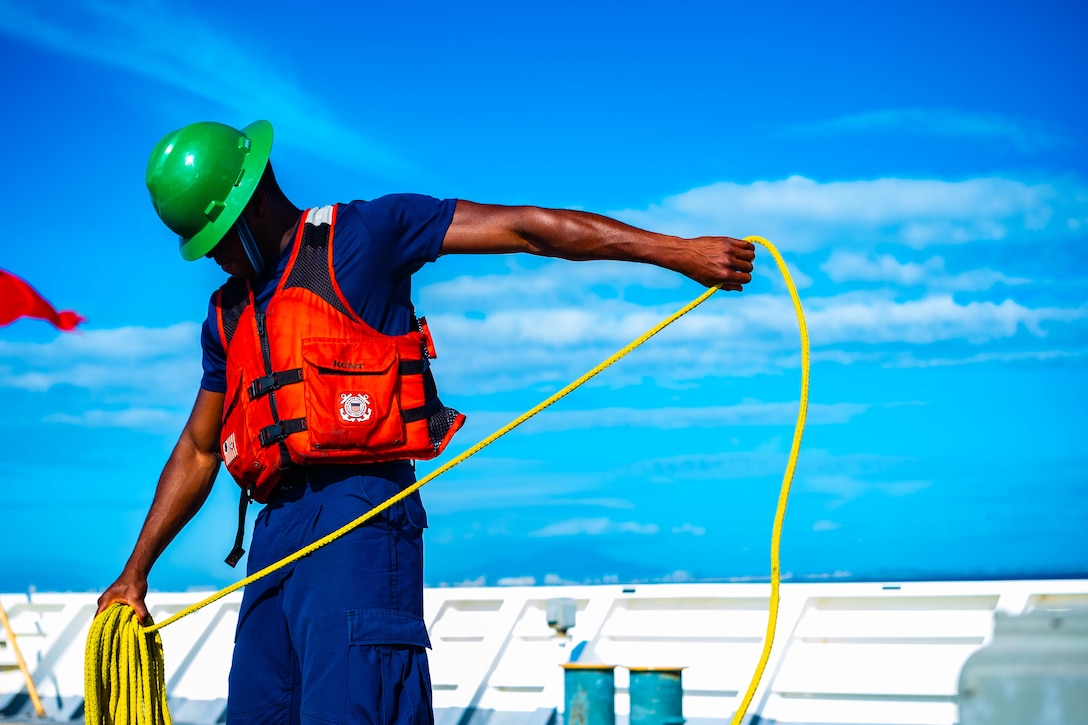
(253, 164)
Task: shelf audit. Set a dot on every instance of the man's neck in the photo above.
(281, 225)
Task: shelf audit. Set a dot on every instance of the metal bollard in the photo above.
(589, 694)
(657, 696)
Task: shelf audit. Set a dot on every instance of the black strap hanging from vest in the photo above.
(236, 553)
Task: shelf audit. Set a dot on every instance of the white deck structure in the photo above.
(866, 653)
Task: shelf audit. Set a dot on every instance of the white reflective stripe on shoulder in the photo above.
(320, 215)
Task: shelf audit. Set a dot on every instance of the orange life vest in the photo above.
(309, 382)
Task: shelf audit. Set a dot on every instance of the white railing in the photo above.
(867, 653)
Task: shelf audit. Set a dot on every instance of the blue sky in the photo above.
(922, 168)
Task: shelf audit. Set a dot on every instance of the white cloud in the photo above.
(118, 344)
(992, 128)
(488, 482)
(689, 529)
(846, 485)
(138, 365)
(818, 470)
(164, 43)
(595, 527)
(544, 327)
(846, 266)
(897, 489)
(140, 419)
(562, 283)
(515, 349)
(801, 214)
(851, 266)
(911, 360)
(673, 418)
(728, 466)
(857, 318)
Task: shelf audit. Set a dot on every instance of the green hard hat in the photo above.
(201, 177)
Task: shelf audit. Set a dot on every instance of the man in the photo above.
(302, 348)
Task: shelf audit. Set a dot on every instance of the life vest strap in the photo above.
(275, 381)
(237, 552)
(276, 432)
(424, 411)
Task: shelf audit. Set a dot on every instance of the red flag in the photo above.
(19, 299)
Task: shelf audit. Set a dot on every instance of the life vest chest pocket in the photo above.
(351, 390)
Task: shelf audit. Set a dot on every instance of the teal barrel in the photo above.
(589, 694)
(656, 696)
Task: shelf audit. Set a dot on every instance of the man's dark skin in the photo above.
(187, 477)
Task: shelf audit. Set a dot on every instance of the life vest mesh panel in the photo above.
(232, 301)
(438, 425)
(311, 270)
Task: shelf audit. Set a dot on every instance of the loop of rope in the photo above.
(124, 664)
(124, 672)
(787, 479)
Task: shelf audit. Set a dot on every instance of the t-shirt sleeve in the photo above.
(213, 356)
(407, 228)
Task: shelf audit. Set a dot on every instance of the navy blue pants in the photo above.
(338, 636)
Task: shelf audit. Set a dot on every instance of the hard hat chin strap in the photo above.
(250, 245)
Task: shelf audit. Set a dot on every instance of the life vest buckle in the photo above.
(267, 383)
(276, 432)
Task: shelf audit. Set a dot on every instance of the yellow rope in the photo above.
(117, 643)
(124, 673)
(787, 479)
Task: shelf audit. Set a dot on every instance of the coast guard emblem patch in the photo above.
(355, 408)
(230, 450)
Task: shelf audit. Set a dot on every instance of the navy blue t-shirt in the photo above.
(377, 246)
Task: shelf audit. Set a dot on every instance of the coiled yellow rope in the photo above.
(124, 666)
(123, 672)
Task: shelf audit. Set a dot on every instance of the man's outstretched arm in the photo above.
(183, 487)
(575, 235)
